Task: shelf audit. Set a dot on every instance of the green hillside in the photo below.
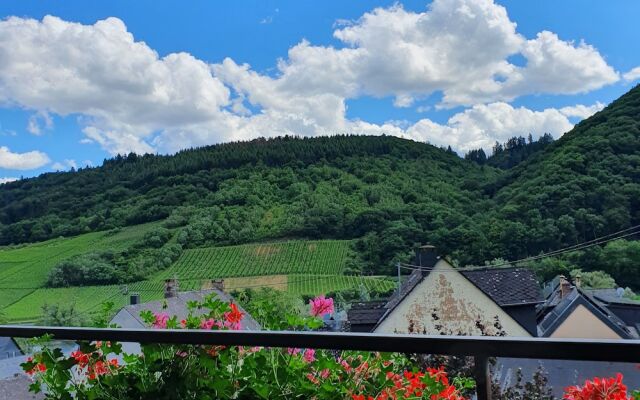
(365, 202)
(301, 267)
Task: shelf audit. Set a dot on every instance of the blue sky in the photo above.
(74, 91)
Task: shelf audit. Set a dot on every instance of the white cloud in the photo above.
(131, 99)
(482, 125)
(7, 180)
(22, 161)
(632, 75)
(582, 111)
(38, 122)
(124, 90)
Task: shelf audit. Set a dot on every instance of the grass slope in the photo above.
(298, 266)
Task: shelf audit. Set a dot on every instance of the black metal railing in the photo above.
(481, 348)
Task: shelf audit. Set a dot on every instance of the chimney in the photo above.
(134, 299)
(426, 257)
(170, 288)
(565, 287)
(577, 280)
(218, 284)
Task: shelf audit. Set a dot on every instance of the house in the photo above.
(437, 298)
(176, 303)
(572, 312)
(626, 309)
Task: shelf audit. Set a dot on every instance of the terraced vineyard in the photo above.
(326, 257)
(299, 266)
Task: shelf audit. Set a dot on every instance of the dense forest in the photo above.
(388, 193)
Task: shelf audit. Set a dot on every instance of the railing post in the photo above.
(483, 377)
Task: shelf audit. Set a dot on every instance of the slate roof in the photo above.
(129, 316)
(611, 296)
(507, 286)
(556, 309)
(9, 348)
(366, 313)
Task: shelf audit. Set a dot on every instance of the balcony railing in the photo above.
(481, 348)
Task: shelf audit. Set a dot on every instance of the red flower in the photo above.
(233, 317)
(598, 389)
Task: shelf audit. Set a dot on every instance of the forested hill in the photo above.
(387, 192)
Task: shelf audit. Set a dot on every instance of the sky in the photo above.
(83, 81)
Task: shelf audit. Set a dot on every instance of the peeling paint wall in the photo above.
(445, 301)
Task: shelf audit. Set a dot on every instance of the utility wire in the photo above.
(579, 246)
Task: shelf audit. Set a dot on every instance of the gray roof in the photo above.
(562, 373)
(366, 313)
(611, 296)
(17, 388)
(507, 286)
(556, 309)
(8, 348)
(129, 316)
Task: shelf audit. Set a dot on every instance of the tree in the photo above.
(62, 315)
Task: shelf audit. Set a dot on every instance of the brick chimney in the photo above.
(170, 288)
(565, 287)
(426, 257)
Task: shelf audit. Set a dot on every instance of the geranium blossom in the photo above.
(309, 355)
(599, 389)
(161, 320)
(321, 306)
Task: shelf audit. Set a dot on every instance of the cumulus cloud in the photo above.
(7, 180)
(22, 161)
(129, 98)
(632, 75)
(122, 88)
(482, 125)
(582, 111)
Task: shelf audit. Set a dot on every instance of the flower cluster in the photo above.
(34, 367)
(320, 306)
(227, 372)
(599, 389)
(434, 385)
(93, 364)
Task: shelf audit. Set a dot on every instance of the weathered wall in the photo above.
(583, 324)
(447, 299)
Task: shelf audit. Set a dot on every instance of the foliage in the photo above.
(62, 315)
(220, 372)
(385, 193)
(535, 389)
(593, 279)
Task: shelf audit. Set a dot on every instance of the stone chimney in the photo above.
(170, 288)
(577, 280)
(218, 284)
(134, 299)
(565, 287)
(426, 257)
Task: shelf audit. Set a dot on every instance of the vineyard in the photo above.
(298, 266)
(88, 299)
(323, 257)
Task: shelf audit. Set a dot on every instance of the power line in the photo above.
(576, 247)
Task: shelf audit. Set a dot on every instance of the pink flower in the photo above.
(210, 323)
(161, 320)
(309, 355)
(324, 374)
(255, 349)
(321, 306)
(293, 351)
